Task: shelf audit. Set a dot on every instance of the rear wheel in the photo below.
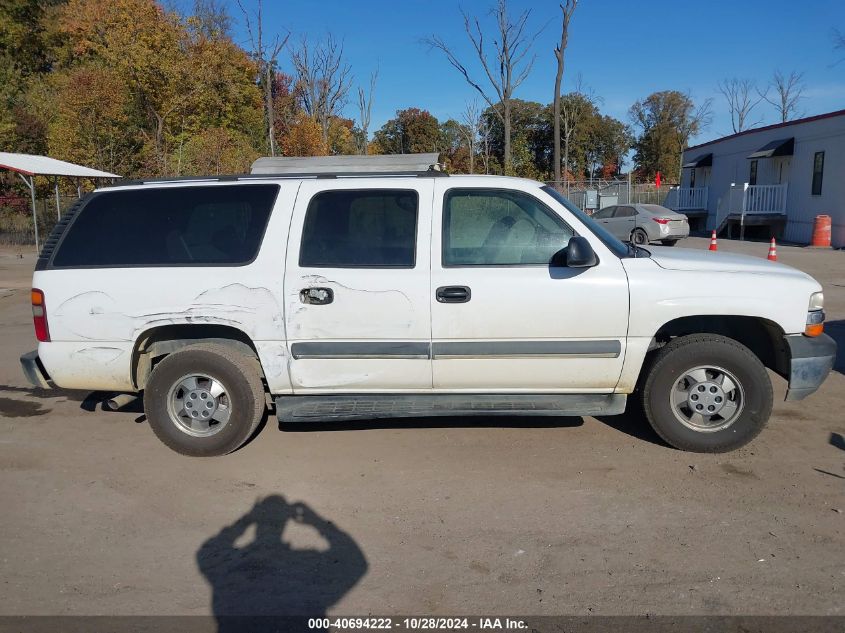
(639, 237)
(204, 400)
(707, 394)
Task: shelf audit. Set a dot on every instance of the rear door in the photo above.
(624, 221)
(357, 311)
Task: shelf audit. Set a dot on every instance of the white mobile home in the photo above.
(779, 177)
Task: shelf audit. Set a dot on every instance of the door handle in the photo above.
(316, 296)
(453, 294)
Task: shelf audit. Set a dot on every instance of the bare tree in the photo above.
(573, 109)
(365, 108)
(266, 54)
(212, 19)
(484, 133)
(323, 80)
(787, 93)
(738, 94)
(470, 127)
(509, 68)
(567, 9)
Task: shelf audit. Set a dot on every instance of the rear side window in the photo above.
(373, 228)
(174, 226)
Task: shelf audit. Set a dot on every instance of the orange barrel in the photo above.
(821, 231)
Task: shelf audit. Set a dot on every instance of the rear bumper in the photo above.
(34, 370)
(811, 359)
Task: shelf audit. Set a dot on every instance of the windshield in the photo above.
(620, 249)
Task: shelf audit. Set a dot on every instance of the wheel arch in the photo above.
(763, 337)
(156, 343)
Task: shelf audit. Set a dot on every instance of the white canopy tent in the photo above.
(28, 166)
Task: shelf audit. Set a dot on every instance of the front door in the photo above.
(357, 314)
(503, 319)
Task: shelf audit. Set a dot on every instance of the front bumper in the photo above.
(811, 359)
(34, 370)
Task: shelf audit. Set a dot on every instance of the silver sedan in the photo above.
(644, 223)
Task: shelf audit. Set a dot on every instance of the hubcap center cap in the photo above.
(707, 398)
(200, 404)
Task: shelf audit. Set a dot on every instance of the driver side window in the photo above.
(499, 227)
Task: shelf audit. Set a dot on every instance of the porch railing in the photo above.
(688, 198)
(764, 199)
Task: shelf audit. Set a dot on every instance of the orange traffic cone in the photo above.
(773, 251)
(713, 245)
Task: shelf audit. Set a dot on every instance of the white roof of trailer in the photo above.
(33, 165)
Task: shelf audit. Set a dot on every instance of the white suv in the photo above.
(380, 296)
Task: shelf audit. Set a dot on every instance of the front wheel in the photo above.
(639, 237)
(707, 393)
(205, 400)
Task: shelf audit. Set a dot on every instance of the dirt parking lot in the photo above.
(503, 516)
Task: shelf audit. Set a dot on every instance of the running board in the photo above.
(331, 408)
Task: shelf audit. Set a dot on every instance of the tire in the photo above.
(676, 376)
(669, 242)
(639, 237)
(239, 401)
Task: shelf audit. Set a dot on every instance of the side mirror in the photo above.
(577, 254)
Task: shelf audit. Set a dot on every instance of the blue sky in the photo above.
(624, 50)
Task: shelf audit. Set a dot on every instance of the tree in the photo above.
(322, 80)
(304, 138)
(529, 123)
(738, 94)
(667, 121)
(411, 131)
(218, 151)
(91, 123)
(567, 9)
(210, 19)
(608, 141)
(577, 108)
(266, 55)
(470, 128)
(787, 91)
(365, 109)
(178, 81)
(506, 72)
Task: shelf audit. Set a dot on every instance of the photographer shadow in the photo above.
(268, 577)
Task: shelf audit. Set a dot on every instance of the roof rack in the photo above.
(429, 173)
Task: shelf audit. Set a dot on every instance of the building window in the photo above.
(752, 175)
(692, 178)
(818, 170)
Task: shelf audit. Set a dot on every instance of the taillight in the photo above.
(661, 220)
(39, 316)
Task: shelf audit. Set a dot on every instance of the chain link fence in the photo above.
(16, 226)
(592, 195)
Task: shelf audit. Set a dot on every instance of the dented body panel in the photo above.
(327, 329)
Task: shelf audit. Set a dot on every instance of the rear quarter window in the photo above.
(174, 226)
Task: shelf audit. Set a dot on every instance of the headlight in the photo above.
(816, 301)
